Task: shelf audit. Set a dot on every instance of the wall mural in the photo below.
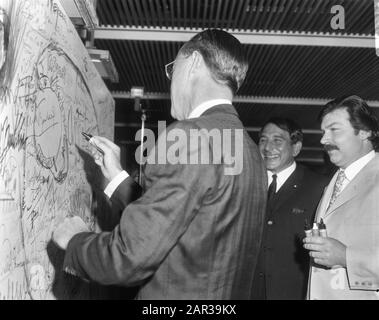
(50, 92)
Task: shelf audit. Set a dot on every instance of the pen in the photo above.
(322, 228)
(89, 137)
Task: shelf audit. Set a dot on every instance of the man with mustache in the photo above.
(345, 264)
(294, 192)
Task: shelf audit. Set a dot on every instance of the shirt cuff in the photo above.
(116, 181)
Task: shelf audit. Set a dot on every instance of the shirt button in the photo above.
(270, 223)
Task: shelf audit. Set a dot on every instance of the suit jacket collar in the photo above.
(286, 191)
(282, 176)
(361, 182)
(221, 108)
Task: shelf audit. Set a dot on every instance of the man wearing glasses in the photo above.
(195, 232)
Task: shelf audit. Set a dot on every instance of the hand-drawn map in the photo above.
(50, 92)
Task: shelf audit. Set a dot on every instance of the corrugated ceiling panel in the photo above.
(288, 71)
(140, 63)
(278, 15)
(280, 71)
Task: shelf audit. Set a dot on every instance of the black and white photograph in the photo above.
(198, 151)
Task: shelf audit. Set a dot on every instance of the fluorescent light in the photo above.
(104, 64)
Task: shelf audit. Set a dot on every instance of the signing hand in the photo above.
(327, 252)
(67, 229)
(110, 161)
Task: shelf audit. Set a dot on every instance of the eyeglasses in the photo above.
(169, 68)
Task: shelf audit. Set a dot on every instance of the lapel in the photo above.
(359, 185)
(324, 202)
(288, 188)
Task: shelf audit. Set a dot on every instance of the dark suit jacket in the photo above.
(283, 265)
(194, 233)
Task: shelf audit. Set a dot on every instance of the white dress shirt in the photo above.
(282, 176)
(112, 186)
(352, 170)
(200, 109)
(195, 113)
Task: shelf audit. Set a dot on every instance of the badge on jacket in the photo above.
(297, 211)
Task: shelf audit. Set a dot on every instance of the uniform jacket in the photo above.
(282, 271)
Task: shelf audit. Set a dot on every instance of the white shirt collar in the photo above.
(282, 176)
(200, 109)
(352, 170)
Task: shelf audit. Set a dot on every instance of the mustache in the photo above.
(330, 147)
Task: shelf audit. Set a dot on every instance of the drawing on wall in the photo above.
(49, 93)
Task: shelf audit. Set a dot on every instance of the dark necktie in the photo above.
(271, 189)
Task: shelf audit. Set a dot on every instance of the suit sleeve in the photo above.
(363, 267)
(125, 193)
(149, 227)
(362, 256)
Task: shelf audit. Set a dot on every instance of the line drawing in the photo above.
(49, 93)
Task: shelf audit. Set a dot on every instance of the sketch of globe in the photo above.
(48, 126)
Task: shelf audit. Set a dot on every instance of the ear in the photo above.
(197, 62)
(296, 148)
(364, 135)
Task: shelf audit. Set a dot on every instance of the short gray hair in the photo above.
(223, 54)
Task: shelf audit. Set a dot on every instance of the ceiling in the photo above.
(297, 61)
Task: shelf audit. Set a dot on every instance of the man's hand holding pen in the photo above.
(107, 155)
(326, 251)
(109, 162)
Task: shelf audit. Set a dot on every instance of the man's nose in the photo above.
(268, 146)
(324, 138)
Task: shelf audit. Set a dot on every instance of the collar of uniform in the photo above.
(352, 170)
(282, 176)
(200, 109)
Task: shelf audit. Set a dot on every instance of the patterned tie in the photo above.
(338, 186)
